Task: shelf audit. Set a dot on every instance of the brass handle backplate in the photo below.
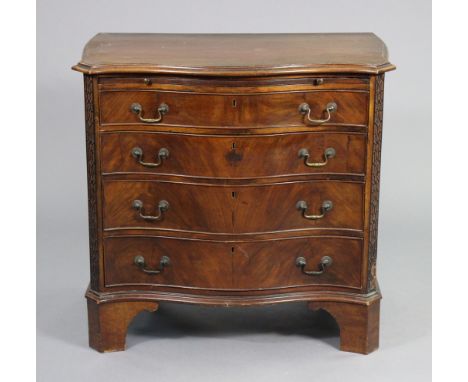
(331, 107)
(137, 153)
(327, 206)
(163, 206)
(139, 261)
(324, 264)
(327, 154)
(137, 109)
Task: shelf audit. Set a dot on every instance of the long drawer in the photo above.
(233, 209)
(233, 156)
(280, 109)
(148, 261)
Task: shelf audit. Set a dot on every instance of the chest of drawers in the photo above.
(233, 170)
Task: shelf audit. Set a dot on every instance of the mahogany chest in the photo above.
(233, 170)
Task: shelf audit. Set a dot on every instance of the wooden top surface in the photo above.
(235, 54)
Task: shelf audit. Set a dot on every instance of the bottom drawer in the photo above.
(254, 265)
(192, 263)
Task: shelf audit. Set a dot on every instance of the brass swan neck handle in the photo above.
(163, 206)
(139, 261)
(324, 264)
(326, 207)
(331, 107)
(137, 109)
(329, 152)
(137, 153)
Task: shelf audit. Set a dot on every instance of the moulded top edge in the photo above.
(235, 54)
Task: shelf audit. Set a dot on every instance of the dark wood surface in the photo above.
(233, 175)
(359, 324)
(108, 323)
(232, 266)
(235, 54)
(357, 316)
(93, 180)
(274, 110)
(374, 183)
(233, 209)
(232, 157)
(240, 85)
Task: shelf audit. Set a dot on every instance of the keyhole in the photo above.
(234, 194)
(232, 249)
(234, 103)
(233, 145)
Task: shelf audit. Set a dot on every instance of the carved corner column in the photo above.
(92, 180)
(375, 183)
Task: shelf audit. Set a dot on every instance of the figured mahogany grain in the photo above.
(272, 264)
(232, 157)
(232, 266)
(233, 209)
(192, 263)
(259, 110)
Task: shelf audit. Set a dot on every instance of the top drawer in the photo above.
(252, 110)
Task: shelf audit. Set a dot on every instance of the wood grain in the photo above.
(258, 110)
(233, 175)
(235, 54)
(233, 157)
(108, 323)
(359, 324)
(237, 266)
(233, 209)
(233, 85)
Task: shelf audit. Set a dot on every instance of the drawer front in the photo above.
(222, 110)
(277, 264)
(146, 262)
(233, 156)
(191, 263)
(233, 209)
